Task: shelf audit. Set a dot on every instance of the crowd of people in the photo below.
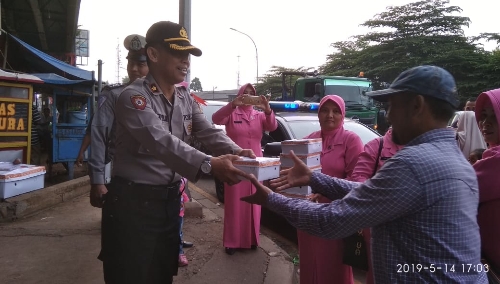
(412, 195)
(427, 209)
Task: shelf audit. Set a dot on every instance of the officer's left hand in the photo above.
(247, 153)
(97, 192)
(261, 194)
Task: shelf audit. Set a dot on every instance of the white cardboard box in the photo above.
(302, 146)
(297, 192)
(314, 169)
(311, 160)
(19, 179)
(262, 168)
(300, 191)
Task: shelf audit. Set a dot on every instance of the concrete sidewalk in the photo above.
(56, 239)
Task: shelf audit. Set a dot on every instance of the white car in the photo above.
(209, 110)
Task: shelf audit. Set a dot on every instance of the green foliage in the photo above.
(270, 83)
(196, 85)
(125, 80)
(419, 33)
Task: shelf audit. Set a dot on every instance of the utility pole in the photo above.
(185, 21)
(238, 82)
(99, 77)
(118, 63)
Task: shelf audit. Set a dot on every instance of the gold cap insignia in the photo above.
(183, 33)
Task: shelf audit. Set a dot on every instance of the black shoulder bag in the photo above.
(355, 253)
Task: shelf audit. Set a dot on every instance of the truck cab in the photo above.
(352, 89)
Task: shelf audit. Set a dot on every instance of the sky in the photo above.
(286, 34)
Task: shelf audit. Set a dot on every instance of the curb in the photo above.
(29, 203)
(26, 204)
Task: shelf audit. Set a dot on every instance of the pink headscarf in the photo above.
(341, 104)
(488, 168)
(246, 108)
(494, 97)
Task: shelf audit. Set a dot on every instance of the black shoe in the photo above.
(186, 244)
(230, 251)
(254, 247)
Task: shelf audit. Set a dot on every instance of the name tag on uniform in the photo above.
(107, 173)
(238, 121)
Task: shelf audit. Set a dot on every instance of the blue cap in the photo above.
(425, 80)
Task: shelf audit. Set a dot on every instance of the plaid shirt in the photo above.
(421, 205)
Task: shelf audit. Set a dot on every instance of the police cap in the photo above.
(135, 44)
(173, 35)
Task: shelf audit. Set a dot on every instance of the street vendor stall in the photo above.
(16, 98)
(72, 100)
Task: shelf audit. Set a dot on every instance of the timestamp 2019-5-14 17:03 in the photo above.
(452, 268)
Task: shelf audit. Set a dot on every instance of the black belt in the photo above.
(147, 191)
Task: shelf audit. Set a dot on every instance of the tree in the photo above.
(196, 85)
(419, 33)
(271, 82)
(125, 80)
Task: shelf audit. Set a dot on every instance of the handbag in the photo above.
(355, 253)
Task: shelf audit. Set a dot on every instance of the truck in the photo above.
(311, 87)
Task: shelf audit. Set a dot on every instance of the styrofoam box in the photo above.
(19, 179)
(262, 168)
(311, 160)
(301, 146)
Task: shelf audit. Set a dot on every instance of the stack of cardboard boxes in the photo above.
(309, 152)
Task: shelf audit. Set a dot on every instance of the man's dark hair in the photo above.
(471, 99)
(440, 110)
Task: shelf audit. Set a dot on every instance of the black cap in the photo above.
(425, 80)
(174, 35)
(135, 44)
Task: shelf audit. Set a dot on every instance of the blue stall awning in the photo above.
(51, 78)
(56, 63)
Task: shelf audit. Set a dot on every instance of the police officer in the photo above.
(101, 130)
(155, 121)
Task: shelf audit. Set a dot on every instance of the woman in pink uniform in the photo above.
(488, 176)
(321, 259)
(369, 162)
(245, 126)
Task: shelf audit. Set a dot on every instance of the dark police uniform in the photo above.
(140, 228)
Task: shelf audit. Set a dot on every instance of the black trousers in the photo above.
(140, 233)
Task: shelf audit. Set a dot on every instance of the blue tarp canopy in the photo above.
(51, 78)
(56, 63)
